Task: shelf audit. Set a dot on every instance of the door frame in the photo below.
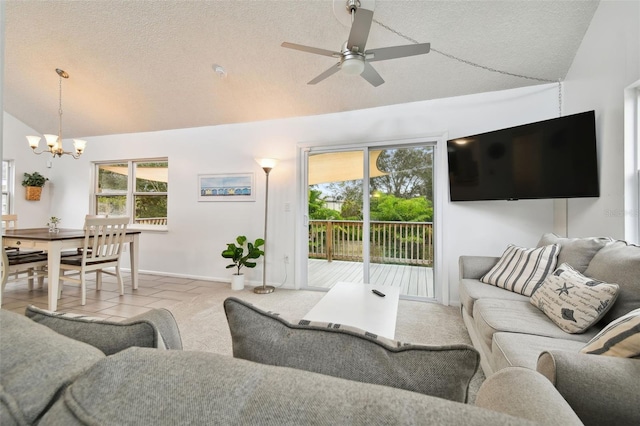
(440, 191)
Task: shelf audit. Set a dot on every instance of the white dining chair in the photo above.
(19, 261)
(15, 268)
(103, 243)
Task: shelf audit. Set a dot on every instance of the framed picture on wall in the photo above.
(226, 187)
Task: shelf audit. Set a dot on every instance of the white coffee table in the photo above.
(354, 304)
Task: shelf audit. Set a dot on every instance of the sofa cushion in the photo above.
(471, 290)
(36, 363)
(494, 315)
(621, 338)
(350, 353)
(577, 252)
(522, 270)
(572, 301)
(149, 387)
(523, 350)
(108, 336)
(618, 262)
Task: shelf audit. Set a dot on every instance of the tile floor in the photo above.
(154, 291)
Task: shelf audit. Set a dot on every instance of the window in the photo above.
(135, 188)
(7, 186)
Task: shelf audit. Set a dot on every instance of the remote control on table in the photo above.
(378, 293)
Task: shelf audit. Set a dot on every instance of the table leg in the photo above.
(134, 247)
(53, 274)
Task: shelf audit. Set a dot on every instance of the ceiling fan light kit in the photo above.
(352, 65)
(353, 58)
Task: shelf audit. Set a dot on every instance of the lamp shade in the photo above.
(267, 163)
(79, 145)
(51, 140)
(33, 141)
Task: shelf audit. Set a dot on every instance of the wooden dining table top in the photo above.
(43, 234)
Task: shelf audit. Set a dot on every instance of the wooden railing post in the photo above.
(329, 238)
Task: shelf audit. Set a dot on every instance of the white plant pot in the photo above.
(237, 282)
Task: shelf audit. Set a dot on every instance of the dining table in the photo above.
(55, 242)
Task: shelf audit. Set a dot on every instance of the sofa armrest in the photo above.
(165, 324)
(474, 267)
(600, 389)
(153, 329)
(524, 393)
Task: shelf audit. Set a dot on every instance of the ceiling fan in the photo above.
(353, 58)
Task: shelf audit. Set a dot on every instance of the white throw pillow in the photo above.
(522, 270)
(620, 338)
(572, 301)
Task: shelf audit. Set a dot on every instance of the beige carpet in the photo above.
(203, 324)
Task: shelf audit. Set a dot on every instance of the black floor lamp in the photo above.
(267, 165)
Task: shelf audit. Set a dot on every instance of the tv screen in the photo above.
(548, 159)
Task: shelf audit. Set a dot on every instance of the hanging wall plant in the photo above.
(33, 182)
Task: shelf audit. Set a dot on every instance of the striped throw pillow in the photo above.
(620, 338)
(522, 270)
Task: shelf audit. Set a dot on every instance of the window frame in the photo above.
(10, 192)
(131, 192)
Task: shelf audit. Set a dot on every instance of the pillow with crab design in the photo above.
(573, 301)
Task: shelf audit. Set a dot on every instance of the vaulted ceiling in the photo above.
(149, 65)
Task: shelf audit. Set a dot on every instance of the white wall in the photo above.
(32, 214)
(199, 231)
(607, 62)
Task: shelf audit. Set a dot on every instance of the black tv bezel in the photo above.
(515, 129)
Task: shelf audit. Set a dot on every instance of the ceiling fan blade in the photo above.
(309, 49)
(360, 29)
(371, 75)
(334, 69)
(394, 52)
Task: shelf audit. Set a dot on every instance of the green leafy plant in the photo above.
(236, 252)
(54, 221)
(34, 179)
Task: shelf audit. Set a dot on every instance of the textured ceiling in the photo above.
(147, 65)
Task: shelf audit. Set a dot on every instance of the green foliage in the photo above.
(390, 208)
(409, 172)
(34, 179)
(237, 256)
(151, 206)
(317, 209)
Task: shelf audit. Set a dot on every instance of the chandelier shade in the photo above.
(54, 142)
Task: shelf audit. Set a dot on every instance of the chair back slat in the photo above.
(10, 221)
(104, 238)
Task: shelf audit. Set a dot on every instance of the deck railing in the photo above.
(152, 221)
(407, 243)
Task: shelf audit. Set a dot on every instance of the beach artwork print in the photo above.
(226, 187)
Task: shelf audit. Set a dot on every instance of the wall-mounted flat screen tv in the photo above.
(554, 158)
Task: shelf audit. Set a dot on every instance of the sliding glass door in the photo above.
(385, 237)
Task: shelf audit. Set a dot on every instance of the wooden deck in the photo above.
(415, 281)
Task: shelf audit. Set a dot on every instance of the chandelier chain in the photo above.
(559, 98)
(60, 111)
(464, 61)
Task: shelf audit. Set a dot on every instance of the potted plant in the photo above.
(34, 183)
(236, 252)
(53, 223)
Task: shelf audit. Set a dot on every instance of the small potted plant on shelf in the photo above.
(236, 252)
(33, 182)
(53, 224)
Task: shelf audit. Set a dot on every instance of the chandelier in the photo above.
(54, 142)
